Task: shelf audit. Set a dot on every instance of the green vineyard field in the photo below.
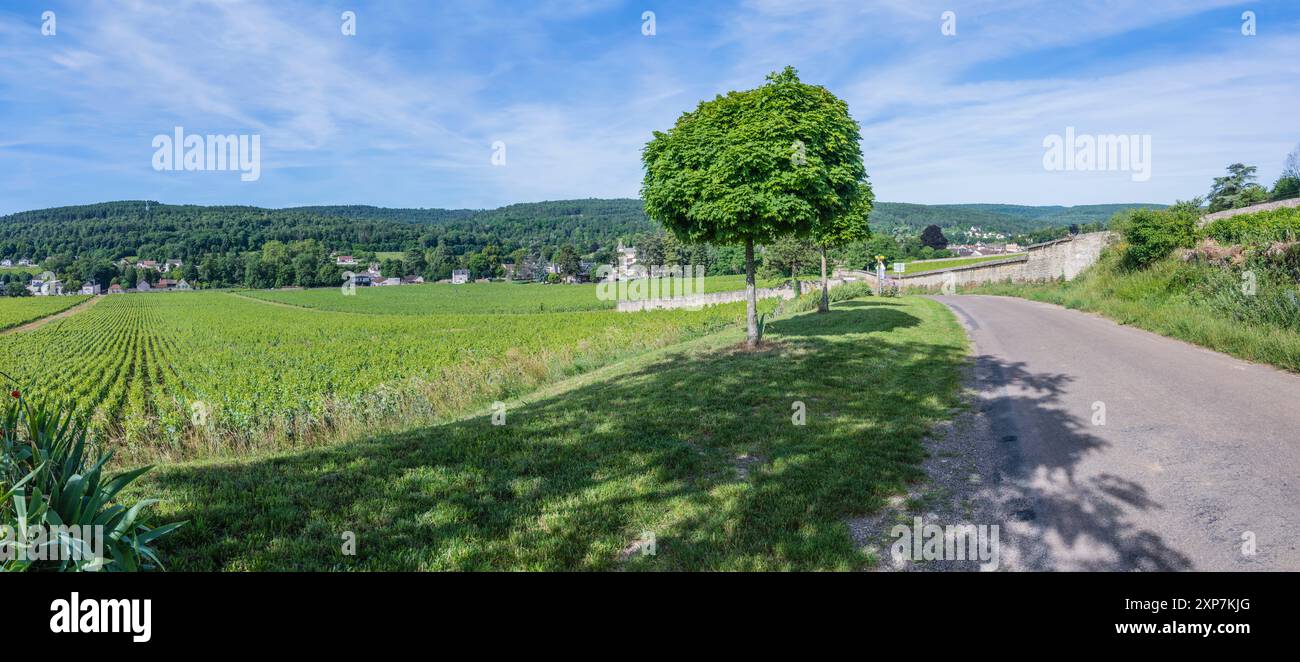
(493, 298)
(16, 311)
(186, 374)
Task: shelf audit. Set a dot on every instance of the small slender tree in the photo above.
(752, 166)
(839, 230)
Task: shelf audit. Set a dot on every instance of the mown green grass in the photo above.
(16, 311)
(694, 443)
(1162, 299)
(923, 267)
(495, 298)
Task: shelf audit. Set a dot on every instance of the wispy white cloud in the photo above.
(405, 113)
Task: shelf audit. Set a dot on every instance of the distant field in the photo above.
(18, 270)
(923, 267)
(16, 311)
(440, 298)
(737, 282)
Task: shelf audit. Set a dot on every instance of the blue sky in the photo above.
(405, 113)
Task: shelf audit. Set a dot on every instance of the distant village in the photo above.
(372, 277)
(986, 243)
(535, 270)
(47, 285)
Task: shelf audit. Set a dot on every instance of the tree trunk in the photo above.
(794, 275)
(824, 306)
(751, 297)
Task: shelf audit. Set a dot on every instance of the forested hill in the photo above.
(1009, 219)
(152, 230)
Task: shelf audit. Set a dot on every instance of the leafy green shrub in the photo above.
(808, 301)
(1282, 224)
(1153, 234)
(51, 477)
(1286, 186)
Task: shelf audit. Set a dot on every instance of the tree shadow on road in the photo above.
(1056, 519)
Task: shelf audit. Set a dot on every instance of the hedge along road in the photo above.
(1118, 449)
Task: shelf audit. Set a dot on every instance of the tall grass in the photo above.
(1193, 301)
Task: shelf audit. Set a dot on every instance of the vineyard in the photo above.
(186, 374)
(492, 298)
(442, 298)
(16, 311)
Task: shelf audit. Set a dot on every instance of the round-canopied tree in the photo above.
(932, 236)
(752, 166)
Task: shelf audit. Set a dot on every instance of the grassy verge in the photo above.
(1166, 298)
(694, 443)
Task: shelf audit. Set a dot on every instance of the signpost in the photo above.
(880, 275)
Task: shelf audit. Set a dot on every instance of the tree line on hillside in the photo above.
(151, 231)
(239, 246)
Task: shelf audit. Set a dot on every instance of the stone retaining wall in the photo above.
(1063, 258)
(715, 298)
(1267, 206)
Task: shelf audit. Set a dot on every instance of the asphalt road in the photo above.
(1118, 449)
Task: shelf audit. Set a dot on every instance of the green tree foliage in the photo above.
(788, 257)
(749, 167)
(1286, 187)
(391, 268)
(1152, 234)
(1236, 189)
(566, 261)
(413, 262)
(932, 236)
(665, 249)
(439, 263)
